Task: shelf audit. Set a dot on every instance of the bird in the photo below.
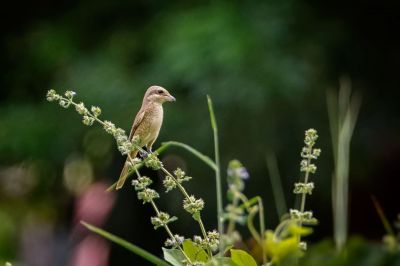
(147, 124)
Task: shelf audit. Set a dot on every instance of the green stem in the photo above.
(232, 224)
(125, 244)
(181, 188)
(250, 218)
(166, 227)
(217, 174)
(303, 195)
(186, 195)
(262, 228)
(138, 166)
(280, 228)
(203, 231)
(252, 212)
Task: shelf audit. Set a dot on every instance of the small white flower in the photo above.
(96, 111)
(70, 94)
(87, 120)
(81, 109)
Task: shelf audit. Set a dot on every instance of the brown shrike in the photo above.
(147, 123)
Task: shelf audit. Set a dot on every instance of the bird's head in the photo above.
(158, 94)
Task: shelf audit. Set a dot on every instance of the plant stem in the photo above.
(252, 212)
(137, 166)
(217, 174)
(303, 195)
(280, 228)
(125, 244)
(186, 195)
(168, 230)
(166, 227)
(232, 224)
(181, 188)
(262, 228)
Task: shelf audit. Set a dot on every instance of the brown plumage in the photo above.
(147, 123)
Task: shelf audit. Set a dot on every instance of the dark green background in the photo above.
(266, 64)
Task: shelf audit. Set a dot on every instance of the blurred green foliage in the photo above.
(357, 252)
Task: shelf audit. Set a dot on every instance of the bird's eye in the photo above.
(160, 91)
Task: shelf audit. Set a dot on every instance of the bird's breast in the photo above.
(156, 119)
(151, 124)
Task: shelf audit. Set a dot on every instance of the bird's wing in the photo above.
(136, 123)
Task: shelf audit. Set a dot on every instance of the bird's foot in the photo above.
(143, 154)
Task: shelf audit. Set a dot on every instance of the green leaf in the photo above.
(129, 246)
(174, 256)
(249, 203)
(296, 230)
(196, 216)
(221, 261)
(211, 111)
(218, 183)
(194, 252)
(207, 160)
(242, 258)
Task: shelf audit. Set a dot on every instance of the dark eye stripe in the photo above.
(153, 92)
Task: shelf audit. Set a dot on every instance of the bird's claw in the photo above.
(143, 154)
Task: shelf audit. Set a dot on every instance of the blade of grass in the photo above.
(217, 174)
(207, 160)
(259, 237)
(382, 216)
(343, 112)
(129, 246)
(276, 182)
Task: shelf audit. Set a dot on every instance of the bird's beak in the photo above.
(171, 98)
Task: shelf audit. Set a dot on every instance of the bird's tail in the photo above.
(124, 172)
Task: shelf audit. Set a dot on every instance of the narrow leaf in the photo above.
(212, 115)
(249, 203)
(207, 160)
(382, 216)
(276, 182)
(129, 246)
(218, 182)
